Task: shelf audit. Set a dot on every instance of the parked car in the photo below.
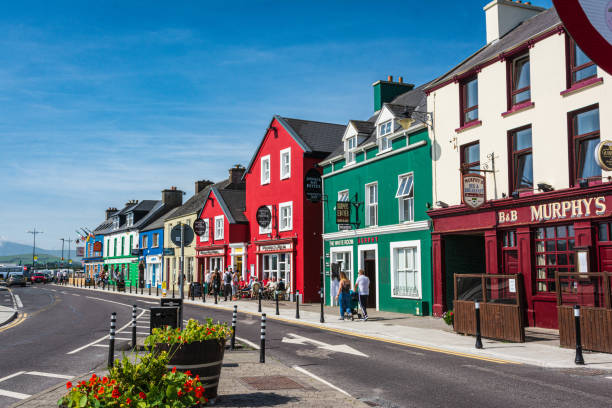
(38, 277)
(16, 279)
(49, 276)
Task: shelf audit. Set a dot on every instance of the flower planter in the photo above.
(203, 358)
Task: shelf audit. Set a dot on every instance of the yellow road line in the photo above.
(20, 319)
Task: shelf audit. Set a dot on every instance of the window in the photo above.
(372, 204)
(343, 195)
(144, 241)
(470, 157)
(405, 197)
(107, 247)
(207, 233)
(349, 147)
(277, 266)
(405, 269)
(554, 251)
(341, 262)
(520, 81)
(521, 168)
(131, 244)
(219, 222)
(155, 240)
(122, 245)
(116, 223)
(469, 100)
(265, 169)
(286, 216)
(581, 67)
(130, 219)
(285, 163)
(384, 130)
(584, 127)
(268, 229)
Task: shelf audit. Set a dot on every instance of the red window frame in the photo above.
(571, 64)
(541, 241)
(575, 139)
(466, 167)
(463, 91)
(513, 158)
(511, 72)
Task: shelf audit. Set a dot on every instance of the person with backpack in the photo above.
(216, 283)
(344, 296)
(362, 286)
(227, 283)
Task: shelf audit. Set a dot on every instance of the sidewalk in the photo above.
(244, 383)
(7, 314)
(429, 333)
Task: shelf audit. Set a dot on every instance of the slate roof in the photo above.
(104, 226)
(159, 222)
(235, 201)
(523, 32)
(193, 205)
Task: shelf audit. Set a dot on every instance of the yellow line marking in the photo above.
(20, 319)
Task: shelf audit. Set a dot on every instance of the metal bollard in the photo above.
(141, 289)
(579, 359)
(156, 290)
(478, 339)
(297, 304)
(276, 296)
(204, 290)
(149, 288)
(134, 307)
(111, 345)
(192, 289)
(215, 290)
(130, 287)
(262, 342)
(234, 315)
(259, 300)
(322, 320)
(172, 291)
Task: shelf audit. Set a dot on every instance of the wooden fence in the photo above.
(592, 292)
(501, 312)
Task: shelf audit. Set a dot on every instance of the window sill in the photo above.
(519, 108)
(285, 177)
(407, 297)
(265, 182)
(383, 152)
(469, 125)
(579, 86)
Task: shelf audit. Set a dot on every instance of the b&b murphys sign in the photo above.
(313, 186)
(589, 22)
(199, 227)
(603, 154)
(263, 216)
(569, 209)
(473, 190)
(343, 212)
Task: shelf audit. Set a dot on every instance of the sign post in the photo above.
(181, 235)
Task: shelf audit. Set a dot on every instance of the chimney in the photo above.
(131, 202)
(236, 173)
(109, 211)
(386, 91)
(201, 185)
(172, 197)
(504, 15)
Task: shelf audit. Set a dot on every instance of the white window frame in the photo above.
(268, 229)
(281, 206)
(351, 269)
(206, 235)
(285, 173)
(385, 129)
(155, 240)
(350, 153)
(265, 178)
(145, 241)
(219, 235)
(130, 219)
(401, 197)
(341, 195)
(369, 205)
(393, 246)
(361, 249)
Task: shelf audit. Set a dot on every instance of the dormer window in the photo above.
(384, 130)
(130, 219)
(349, 147)
(116, 223)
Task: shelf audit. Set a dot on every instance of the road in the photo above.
(63, 319)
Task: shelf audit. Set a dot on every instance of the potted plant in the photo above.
(449, 317)
(139, 385)
(198, 348)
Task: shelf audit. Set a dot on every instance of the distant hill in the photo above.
(27, 259)
(15, 249)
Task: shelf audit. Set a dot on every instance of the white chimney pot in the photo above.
(504, 15)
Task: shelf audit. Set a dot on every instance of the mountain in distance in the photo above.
(14, 248)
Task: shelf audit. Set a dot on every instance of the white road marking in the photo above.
(122, 338)
(150, 303)
(100, 345)
(41, 374)
(339, 348)
(11, 376)
(301, 370)
(16, 395)
(609, 378)
(248, 343)
(75, 294)
(18, 301)
(109, 301)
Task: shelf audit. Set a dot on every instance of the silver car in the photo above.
(16, 279)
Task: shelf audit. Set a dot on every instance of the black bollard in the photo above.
(215, 290)
(260, 295)
(156, 290)
(297, 304)
(233, 340)
(322, 320)
(262, 342)
(204, 290)
(173, 291)
(141, 289)
(130, 287)
(579, 359)
(149, 288)
(276, 296)
(192, 290)
(111, 345)
(478, 339)
(134, 307)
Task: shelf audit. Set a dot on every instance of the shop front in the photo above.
(153, 272)
(276, 259)
(213, 258)
(238, 261)
(535, 236)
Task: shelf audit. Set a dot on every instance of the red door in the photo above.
(511, 263)
(605, 258)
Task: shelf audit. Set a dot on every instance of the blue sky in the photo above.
(103, 102)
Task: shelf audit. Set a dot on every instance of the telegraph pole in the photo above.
(62, 259)
(34, 232)
(69, 241)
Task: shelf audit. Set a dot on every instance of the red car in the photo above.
(38, 278)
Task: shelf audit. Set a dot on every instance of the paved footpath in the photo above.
(8, 307)
(244, 383)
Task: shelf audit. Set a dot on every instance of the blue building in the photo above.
(93, 261)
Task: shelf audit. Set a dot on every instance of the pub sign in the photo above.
(473, 190)
(313, 186)
(343, 212)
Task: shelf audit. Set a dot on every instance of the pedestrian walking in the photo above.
(335, 281)
(227, 284)
(207, 282)
(344, 297)
(235, 283)
(216, 281)
(362, 287)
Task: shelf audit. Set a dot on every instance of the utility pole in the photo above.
(34, 232)
(69, 241)
(62, 259)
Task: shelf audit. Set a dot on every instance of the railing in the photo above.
(592, 292)
(500, 298)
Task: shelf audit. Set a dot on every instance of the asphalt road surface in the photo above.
(63, 320)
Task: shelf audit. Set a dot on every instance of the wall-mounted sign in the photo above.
(341, 242)
(473, 190)
(199, 227)
(153, 259)
(603, 155)
(313, 186)
(97, 246)
(212, 252)
(558, 210)
(343, 212)
(136, 252)
(169, 251)
(175, 235)
(589, 22)
(275, 247)
(367, 240)
(80, 251)
(263, 216)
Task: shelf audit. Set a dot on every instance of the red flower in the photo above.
(179, 393)
(188, 373)
(101, 390)
(198, 394)
(115, 393)
(68, 385)
(128, 401)
(142, 395)
(104, 380)
(174, 369)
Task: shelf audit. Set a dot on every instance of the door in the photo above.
(370, 272)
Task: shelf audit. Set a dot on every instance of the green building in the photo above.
(377, 186)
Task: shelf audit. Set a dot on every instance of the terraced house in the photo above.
(378, 187)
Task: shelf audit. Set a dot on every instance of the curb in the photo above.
(10, 319)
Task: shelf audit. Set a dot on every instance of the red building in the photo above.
(289, 247)
(226, 239)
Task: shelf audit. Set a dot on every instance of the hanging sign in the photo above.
(175, 235)
(603, 153)
(263, 216)
(343, 212)
(97, 246)
(589, 22)
(473, 190)
(199, 227)
(313, 186)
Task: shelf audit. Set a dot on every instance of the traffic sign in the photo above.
(175, 235)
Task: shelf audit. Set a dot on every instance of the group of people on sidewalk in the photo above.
(345, 295)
